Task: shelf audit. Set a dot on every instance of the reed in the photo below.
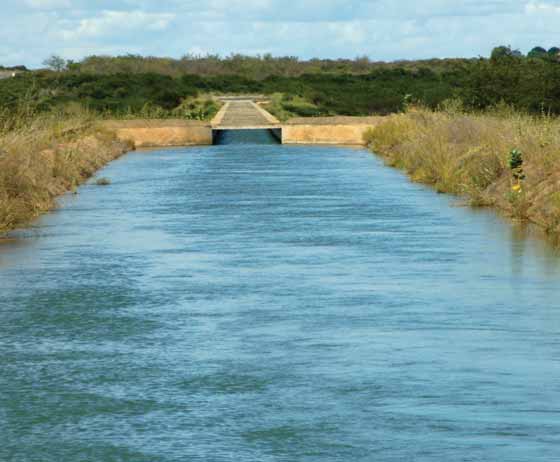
(467, 154)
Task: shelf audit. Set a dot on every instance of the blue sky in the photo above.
(31, 30)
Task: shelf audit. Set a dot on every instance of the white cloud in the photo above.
(382, 29)
(348, 32)
(117, 22)
(541, 7)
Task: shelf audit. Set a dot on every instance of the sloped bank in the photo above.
(46, 159)
(468, 155)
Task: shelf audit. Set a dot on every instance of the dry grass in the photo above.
(467, 154)
(42, 157)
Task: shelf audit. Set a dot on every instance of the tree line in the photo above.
(317, 87)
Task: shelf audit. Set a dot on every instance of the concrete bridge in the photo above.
(243, 113)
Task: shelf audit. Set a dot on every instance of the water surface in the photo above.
(273, 303)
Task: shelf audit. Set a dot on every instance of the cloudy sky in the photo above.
(31, 30)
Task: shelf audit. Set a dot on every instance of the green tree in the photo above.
(554, 53)
(504, 52)
(55, 63)
(537, 52)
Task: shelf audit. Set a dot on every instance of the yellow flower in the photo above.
(516, 188)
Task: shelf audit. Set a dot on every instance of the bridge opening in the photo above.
(247, 136)
(242, 121)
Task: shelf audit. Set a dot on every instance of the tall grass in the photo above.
(42, 156)
(467, 154)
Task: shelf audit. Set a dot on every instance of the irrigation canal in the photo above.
(259, 302)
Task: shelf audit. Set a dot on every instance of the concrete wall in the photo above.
(161, 133)
(277, 133)
(336, 130)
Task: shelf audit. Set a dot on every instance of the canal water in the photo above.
(258, 302)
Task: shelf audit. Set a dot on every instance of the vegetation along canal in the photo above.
(259, 302)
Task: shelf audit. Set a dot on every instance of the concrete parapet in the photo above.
(156, 133)
(328, 130)
(174, 132)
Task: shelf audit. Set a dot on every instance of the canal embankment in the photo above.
(505, 160)
(46, 157)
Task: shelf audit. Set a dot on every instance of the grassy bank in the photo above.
(501, 158)
(44, 156)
